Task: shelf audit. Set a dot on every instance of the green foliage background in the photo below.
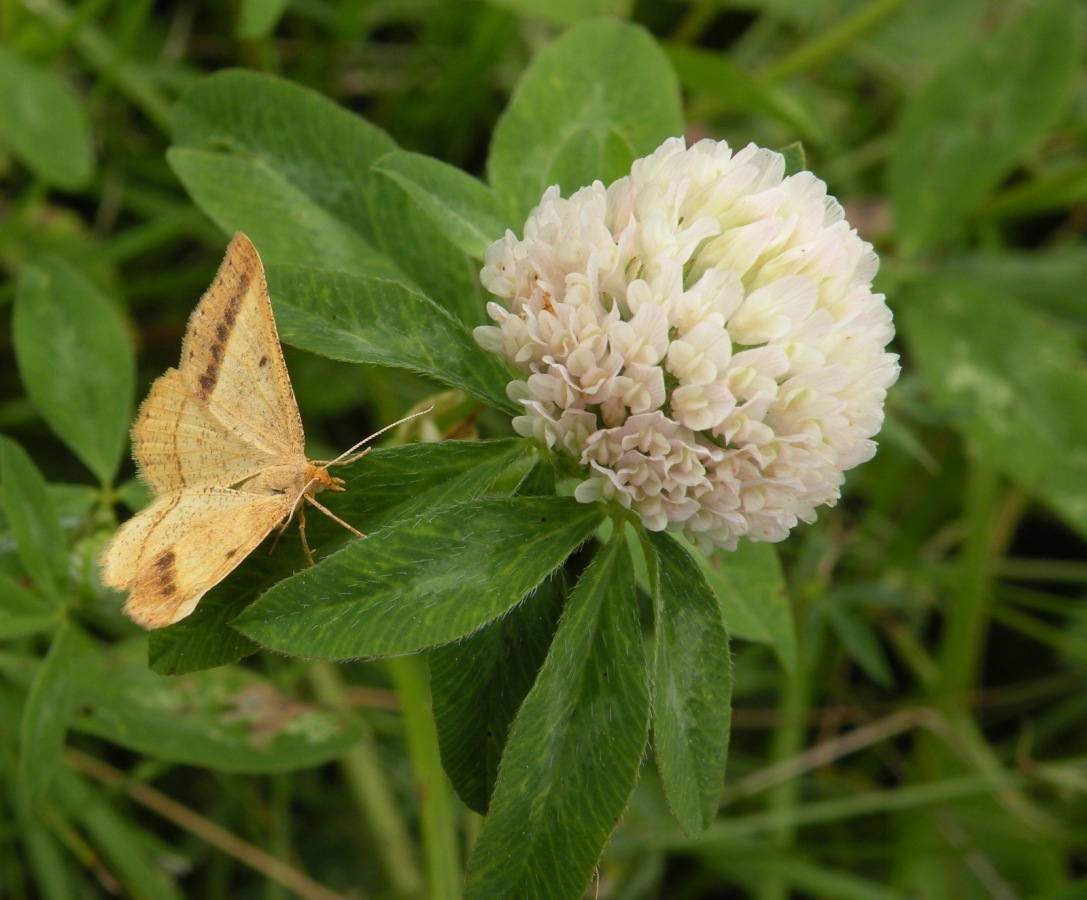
(908, 674)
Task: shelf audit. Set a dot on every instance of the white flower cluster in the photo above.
(701, 336)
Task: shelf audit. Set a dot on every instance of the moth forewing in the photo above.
(178, 442)
(232, 360)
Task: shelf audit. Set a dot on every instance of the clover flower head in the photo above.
(701, 336)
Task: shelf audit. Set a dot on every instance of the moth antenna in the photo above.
(342, 458)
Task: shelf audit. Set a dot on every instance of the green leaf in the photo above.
(725, 85)
(692, 687)
(421, 582)
(399, 483)
(750, 584)
(600, 78)
(132, 858)
(384, 486)
(45, 860)
(33, 520)
(229, 719)
(466, 210)
(1016, 385)
(287, 224)
(293, 171)
(478, 684)
(566, 12)
(76, 362)
(57, 685)
(361, 319)
(575, 748)
(796, 160)
(258, 18)
(74, 504)
(860, 642)
(1055, 185)
(1050, 281)
(204, 638)
(540, 480)
(42, 124)
(21, 613)
(973, 121)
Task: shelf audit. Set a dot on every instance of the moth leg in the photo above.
(279, 534)
(302, 532)
(335, 518)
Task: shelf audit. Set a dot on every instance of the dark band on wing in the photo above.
(166, 573)
(210, 376)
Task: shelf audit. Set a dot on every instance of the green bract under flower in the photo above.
(701, 335)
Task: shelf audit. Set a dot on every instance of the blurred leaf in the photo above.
(258, 18)
(73, 503)
(33, 520)
(57, 685)
(76, 362)
(1062, 639)
(565, 12)
(21, 613)
(754, 600)
(45, 860)
(1049, 281)
(860, 642)
(119, 841)
(293, 170)
(973, 121)
(729, 87)
(600, 79)
(1017, 385)
(692, 687)
(575, 748)
(361, 319)
(20, 669)
(1056, 187)
(478, 684)
(922, 35)
(134, 494)
(421, 582)
(42, 123)
(229, 719)
(465, 209)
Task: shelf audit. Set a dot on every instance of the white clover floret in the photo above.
(701, 336)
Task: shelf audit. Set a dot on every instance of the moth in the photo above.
(220, 443)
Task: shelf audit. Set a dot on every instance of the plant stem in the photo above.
(376, 803)
(967, 612)
(786, 743)
(989, 524)
(437, 814)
